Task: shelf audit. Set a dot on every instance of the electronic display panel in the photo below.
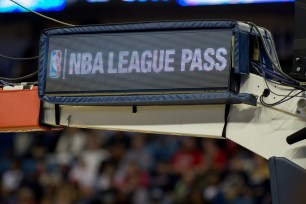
(138, 62)
(225, 2)
(7, 6)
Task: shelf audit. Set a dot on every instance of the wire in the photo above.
(291, 91)
(264, 71)
(281, 80)
(20, 78)
(278, 76)
(286, 98)
(275, 64)
(18, 58)
(3, 79)
(41, 15)
(5, 83)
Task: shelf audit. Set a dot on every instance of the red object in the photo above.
(183, 161)
(19, 110)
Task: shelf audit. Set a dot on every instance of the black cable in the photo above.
(5, 83)
(264, 72)
(19, 78)
(268, 87)
(266, 49)
(286, 98)
(275, 64)
(279, 94)
(259, 58)
(18, 58)
(41, 15)
(282, 81)
(268, 66)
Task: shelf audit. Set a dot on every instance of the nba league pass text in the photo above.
(148, 61)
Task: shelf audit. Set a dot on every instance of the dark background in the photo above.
(20, 32)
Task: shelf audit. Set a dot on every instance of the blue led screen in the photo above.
(221, 2)
(7, 6)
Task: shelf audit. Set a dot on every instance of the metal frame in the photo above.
(260, 129)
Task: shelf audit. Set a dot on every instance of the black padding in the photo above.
(288, 181)
(297, 136)
(57, 114)
(158, 99)
(226, 113)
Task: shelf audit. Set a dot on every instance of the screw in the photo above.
(298, 69)
(297, 59)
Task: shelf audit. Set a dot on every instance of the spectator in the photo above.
(138, 154)
(213, 156)
(163, 178)
(65, 194)
(93, 155)
(130, 168)
(134, 182)
(184, 187)
(26, 196)
(23, 143)
(162, 148)
(82, 175)
(70, 145)
(12, 178)
(187, 157)
(259, 179)
(117, 153)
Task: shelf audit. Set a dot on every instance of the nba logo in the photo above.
(55, 64)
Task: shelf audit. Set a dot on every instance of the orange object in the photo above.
(19, 110)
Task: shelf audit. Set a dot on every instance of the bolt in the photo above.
(297, 59)
(298, 69)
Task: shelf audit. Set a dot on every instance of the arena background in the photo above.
(88, 166)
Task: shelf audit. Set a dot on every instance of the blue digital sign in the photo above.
(220, 2)
(97, 1)
(7, 6)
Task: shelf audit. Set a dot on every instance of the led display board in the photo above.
(7, 6)
(139, 62)
(226, 2)
(188, 62)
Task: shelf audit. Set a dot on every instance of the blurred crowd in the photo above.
(79, 166)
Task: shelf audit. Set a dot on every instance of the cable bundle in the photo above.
(274, 74)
